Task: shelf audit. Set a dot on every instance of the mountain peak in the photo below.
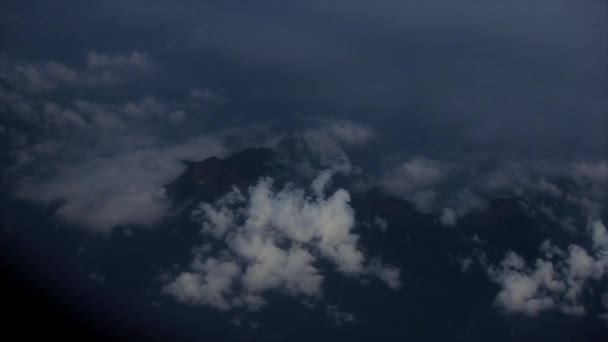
(209, 179)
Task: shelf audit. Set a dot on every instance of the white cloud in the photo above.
(126, 187)
(557, 280)
(212, 280)
(271, 267)
(218, 220)
(329, 221)
(105, 161)
(279, 236)
(521, 289)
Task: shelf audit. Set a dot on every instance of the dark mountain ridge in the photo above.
(505, 224)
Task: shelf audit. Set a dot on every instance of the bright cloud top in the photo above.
(274, 240)
(555, 281)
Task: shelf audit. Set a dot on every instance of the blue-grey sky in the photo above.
(525, 77)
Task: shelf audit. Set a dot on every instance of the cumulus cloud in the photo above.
(211, 281)
(327, 220)
(278, 237)
(556, 280)
(218, 219)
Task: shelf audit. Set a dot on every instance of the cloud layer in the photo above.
(103, 192)
(99, 69)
